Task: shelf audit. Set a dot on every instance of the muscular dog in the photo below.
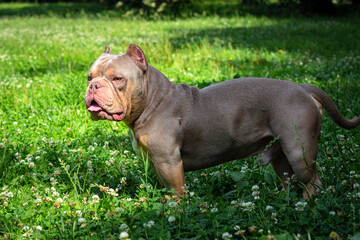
(183, 128)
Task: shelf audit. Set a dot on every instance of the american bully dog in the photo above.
(183, 128)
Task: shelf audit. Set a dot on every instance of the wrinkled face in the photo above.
(115, 87)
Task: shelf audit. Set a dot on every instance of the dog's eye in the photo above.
(117, 78)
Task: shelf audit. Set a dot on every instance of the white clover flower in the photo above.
(356, 185)
(255, 194)
(89, 164)
(59, 200)
(96, 198)
(332, 213)
(38, 228)
(172, 204)
(171, 219)
(31, 165)
(124, 235)
(214, 210)
(248, 206)
(300, 206)
(27, 234)
(113, 192)
(38, 201)
(268, 208)
(149, 224)
(124, 227)
(82, 220)
(226, 236)
(244, 168)
(255, 188)
(236, 227)
(78, 213)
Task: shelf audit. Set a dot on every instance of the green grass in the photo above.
(54, 159)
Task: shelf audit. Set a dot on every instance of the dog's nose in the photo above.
(94, 86)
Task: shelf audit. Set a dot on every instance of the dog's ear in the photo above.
(137, 56)
(107, 50)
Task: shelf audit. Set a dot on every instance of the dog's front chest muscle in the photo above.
(139, 146)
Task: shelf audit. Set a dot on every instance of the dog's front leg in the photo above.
(170, 173)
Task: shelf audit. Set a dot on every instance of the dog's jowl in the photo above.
(183, 128)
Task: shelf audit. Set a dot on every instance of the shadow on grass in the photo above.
(324, 46)
(322, 38)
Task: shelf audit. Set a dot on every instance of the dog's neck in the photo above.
(156, 86)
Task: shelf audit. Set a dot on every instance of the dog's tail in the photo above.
(326, 102)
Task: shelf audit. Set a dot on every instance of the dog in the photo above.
(182, 128)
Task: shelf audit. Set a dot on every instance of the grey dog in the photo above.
(183, 128)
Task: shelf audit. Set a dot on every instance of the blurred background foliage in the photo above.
(186, 8)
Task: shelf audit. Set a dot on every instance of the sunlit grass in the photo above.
(65, 176)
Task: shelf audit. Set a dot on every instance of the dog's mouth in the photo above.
(94, 107)
(98, 113)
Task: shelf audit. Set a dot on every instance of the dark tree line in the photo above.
(175, 7)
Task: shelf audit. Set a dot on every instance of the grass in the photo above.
(63, 176)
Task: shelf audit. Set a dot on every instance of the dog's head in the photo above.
(116, 85)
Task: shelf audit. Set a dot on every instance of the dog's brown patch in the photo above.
(143, 142)
(317, 101)
(94, 72)
(110, 72)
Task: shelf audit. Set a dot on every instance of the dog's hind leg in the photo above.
(300, 150)
(282, 168)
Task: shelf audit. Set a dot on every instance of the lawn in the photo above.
(64, 176)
